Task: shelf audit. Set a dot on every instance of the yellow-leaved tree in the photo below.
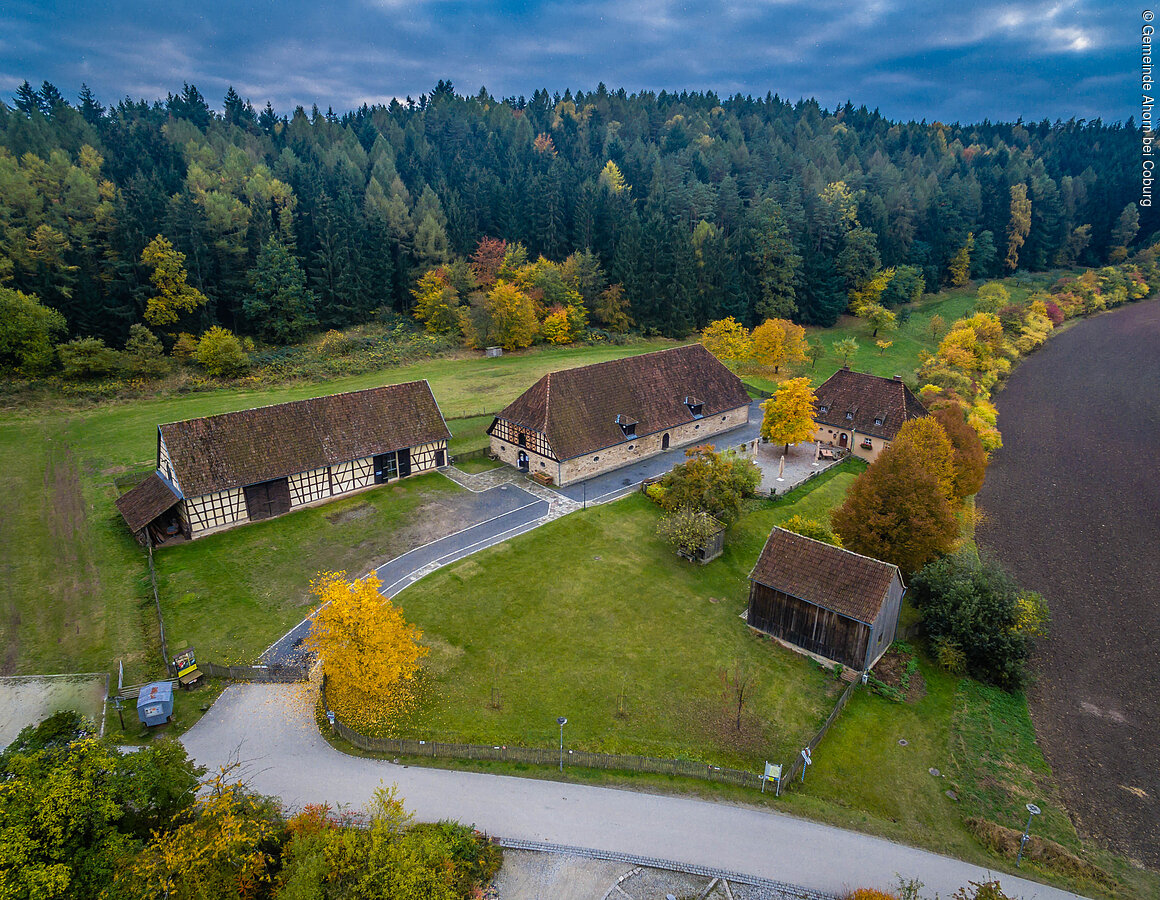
(789, 414)
(776, 342)
(174, 294)
(728, 340)
(369, 652)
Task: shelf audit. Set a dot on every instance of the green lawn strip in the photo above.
(478, 464)
(468, 434)
(593, 617)
(231, 594)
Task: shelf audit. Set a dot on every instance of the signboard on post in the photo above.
(806, 761)
(772, 771)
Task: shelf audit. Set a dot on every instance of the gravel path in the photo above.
(1072, 510)
(269, 729)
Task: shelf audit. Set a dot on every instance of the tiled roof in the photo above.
(235, 449)
(146, 502)
(868, 399)
(827, 576)
(578, 408)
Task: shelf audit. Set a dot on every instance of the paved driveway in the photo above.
(270, 731)
(495, 515)
(625, 480)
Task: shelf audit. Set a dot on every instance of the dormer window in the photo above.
(694, 406)
(850, 415)
(628, 426)
(878, 420)
(823, 409)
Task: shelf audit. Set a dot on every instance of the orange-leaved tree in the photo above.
(970, 458)
(789, 413)
(934, 449)
(776, 342)
(369, 652)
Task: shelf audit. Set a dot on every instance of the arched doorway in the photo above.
(665, 441)
(842, 439)
(522, 461)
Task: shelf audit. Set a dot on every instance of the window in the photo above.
(695, 406)
(596, 459)
(628, 426)
(849, 415)
(722, 418)
(878, 421)
(867, 444)
(823, 409)
(630, 446)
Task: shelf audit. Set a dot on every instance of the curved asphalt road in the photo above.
(499, 513)
(270, 730)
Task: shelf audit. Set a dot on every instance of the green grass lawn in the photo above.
(594, 618)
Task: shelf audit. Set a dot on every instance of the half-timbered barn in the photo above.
(863, 412)
(827, 601)
(224, 470)
(574, 424)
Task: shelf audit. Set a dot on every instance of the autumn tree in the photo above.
(776, 342)
(437, 302)
(959, 268)
(897, 511)
(883, 346)
(1019, 226)
(879, 318)
(814, 351)
(936, 327)
(174, 295)
(788, 416)
(970, 459)
(811, 528)
(611, 309)
(220, 352)
(369, 652)
(845, 348)
(728, 340)
(932, 447)
(487, 259)
(512, 315)
(991, 297)
(688, 529)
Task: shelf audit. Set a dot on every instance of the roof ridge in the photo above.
(547, 401)
(872, 559)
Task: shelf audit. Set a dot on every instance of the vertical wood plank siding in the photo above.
(810, 627)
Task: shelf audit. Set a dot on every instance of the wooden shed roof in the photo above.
(146, 502)
(830, 577)
(231, 450)
(585, 409)
(868, 399)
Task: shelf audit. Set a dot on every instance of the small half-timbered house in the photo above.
(577, 423)
(224, 470)
(825, 600)
(863, 412)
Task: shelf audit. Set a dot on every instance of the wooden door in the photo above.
(267, 498)
(842, 439)
(404, 463)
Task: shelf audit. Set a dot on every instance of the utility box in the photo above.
(493, 351)
(155, 703)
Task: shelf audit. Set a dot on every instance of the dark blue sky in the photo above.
(958, 61)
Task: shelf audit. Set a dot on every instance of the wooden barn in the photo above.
(862, 412)
(825, 600)
(224, 470)
(574, 424)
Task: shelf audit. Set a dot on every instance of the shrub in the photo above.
(870, 894)
(656, 493)
(220, 352)
(688, 530)
(973, 607)
(86, 358)
(811, 528)
(144, 354)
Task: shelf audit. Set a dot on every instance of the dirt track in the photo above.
(1072, 506)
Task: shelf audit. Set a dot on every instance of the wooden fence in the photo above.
(795, 767)
(256, 673)
(540, 756)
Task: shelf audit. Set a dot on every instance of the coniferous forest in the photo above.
(276, 223)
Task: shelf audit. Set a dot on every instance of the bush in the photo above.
(144, 354)
(220, 352)
(656, 493)
(973, 607)
(688, 530)
(811, 528)
(86, 358)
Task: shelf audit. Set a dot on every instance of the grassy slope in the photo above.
(593, 617)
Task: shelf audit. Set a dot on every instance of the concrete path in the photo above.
(623, 481)
(269, 730)
(497, 514)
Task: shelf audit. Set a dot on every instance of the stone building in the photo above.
(863, 412)
(824, 600)
(224, 470)
(577, 423)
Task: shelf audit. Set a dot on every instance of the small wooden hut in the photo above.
(155, 703)
(825, 600)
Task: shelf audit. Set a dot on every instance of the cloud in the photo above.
(991, 59)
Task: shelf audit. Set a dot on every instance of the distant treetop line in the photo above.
(699, 207)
